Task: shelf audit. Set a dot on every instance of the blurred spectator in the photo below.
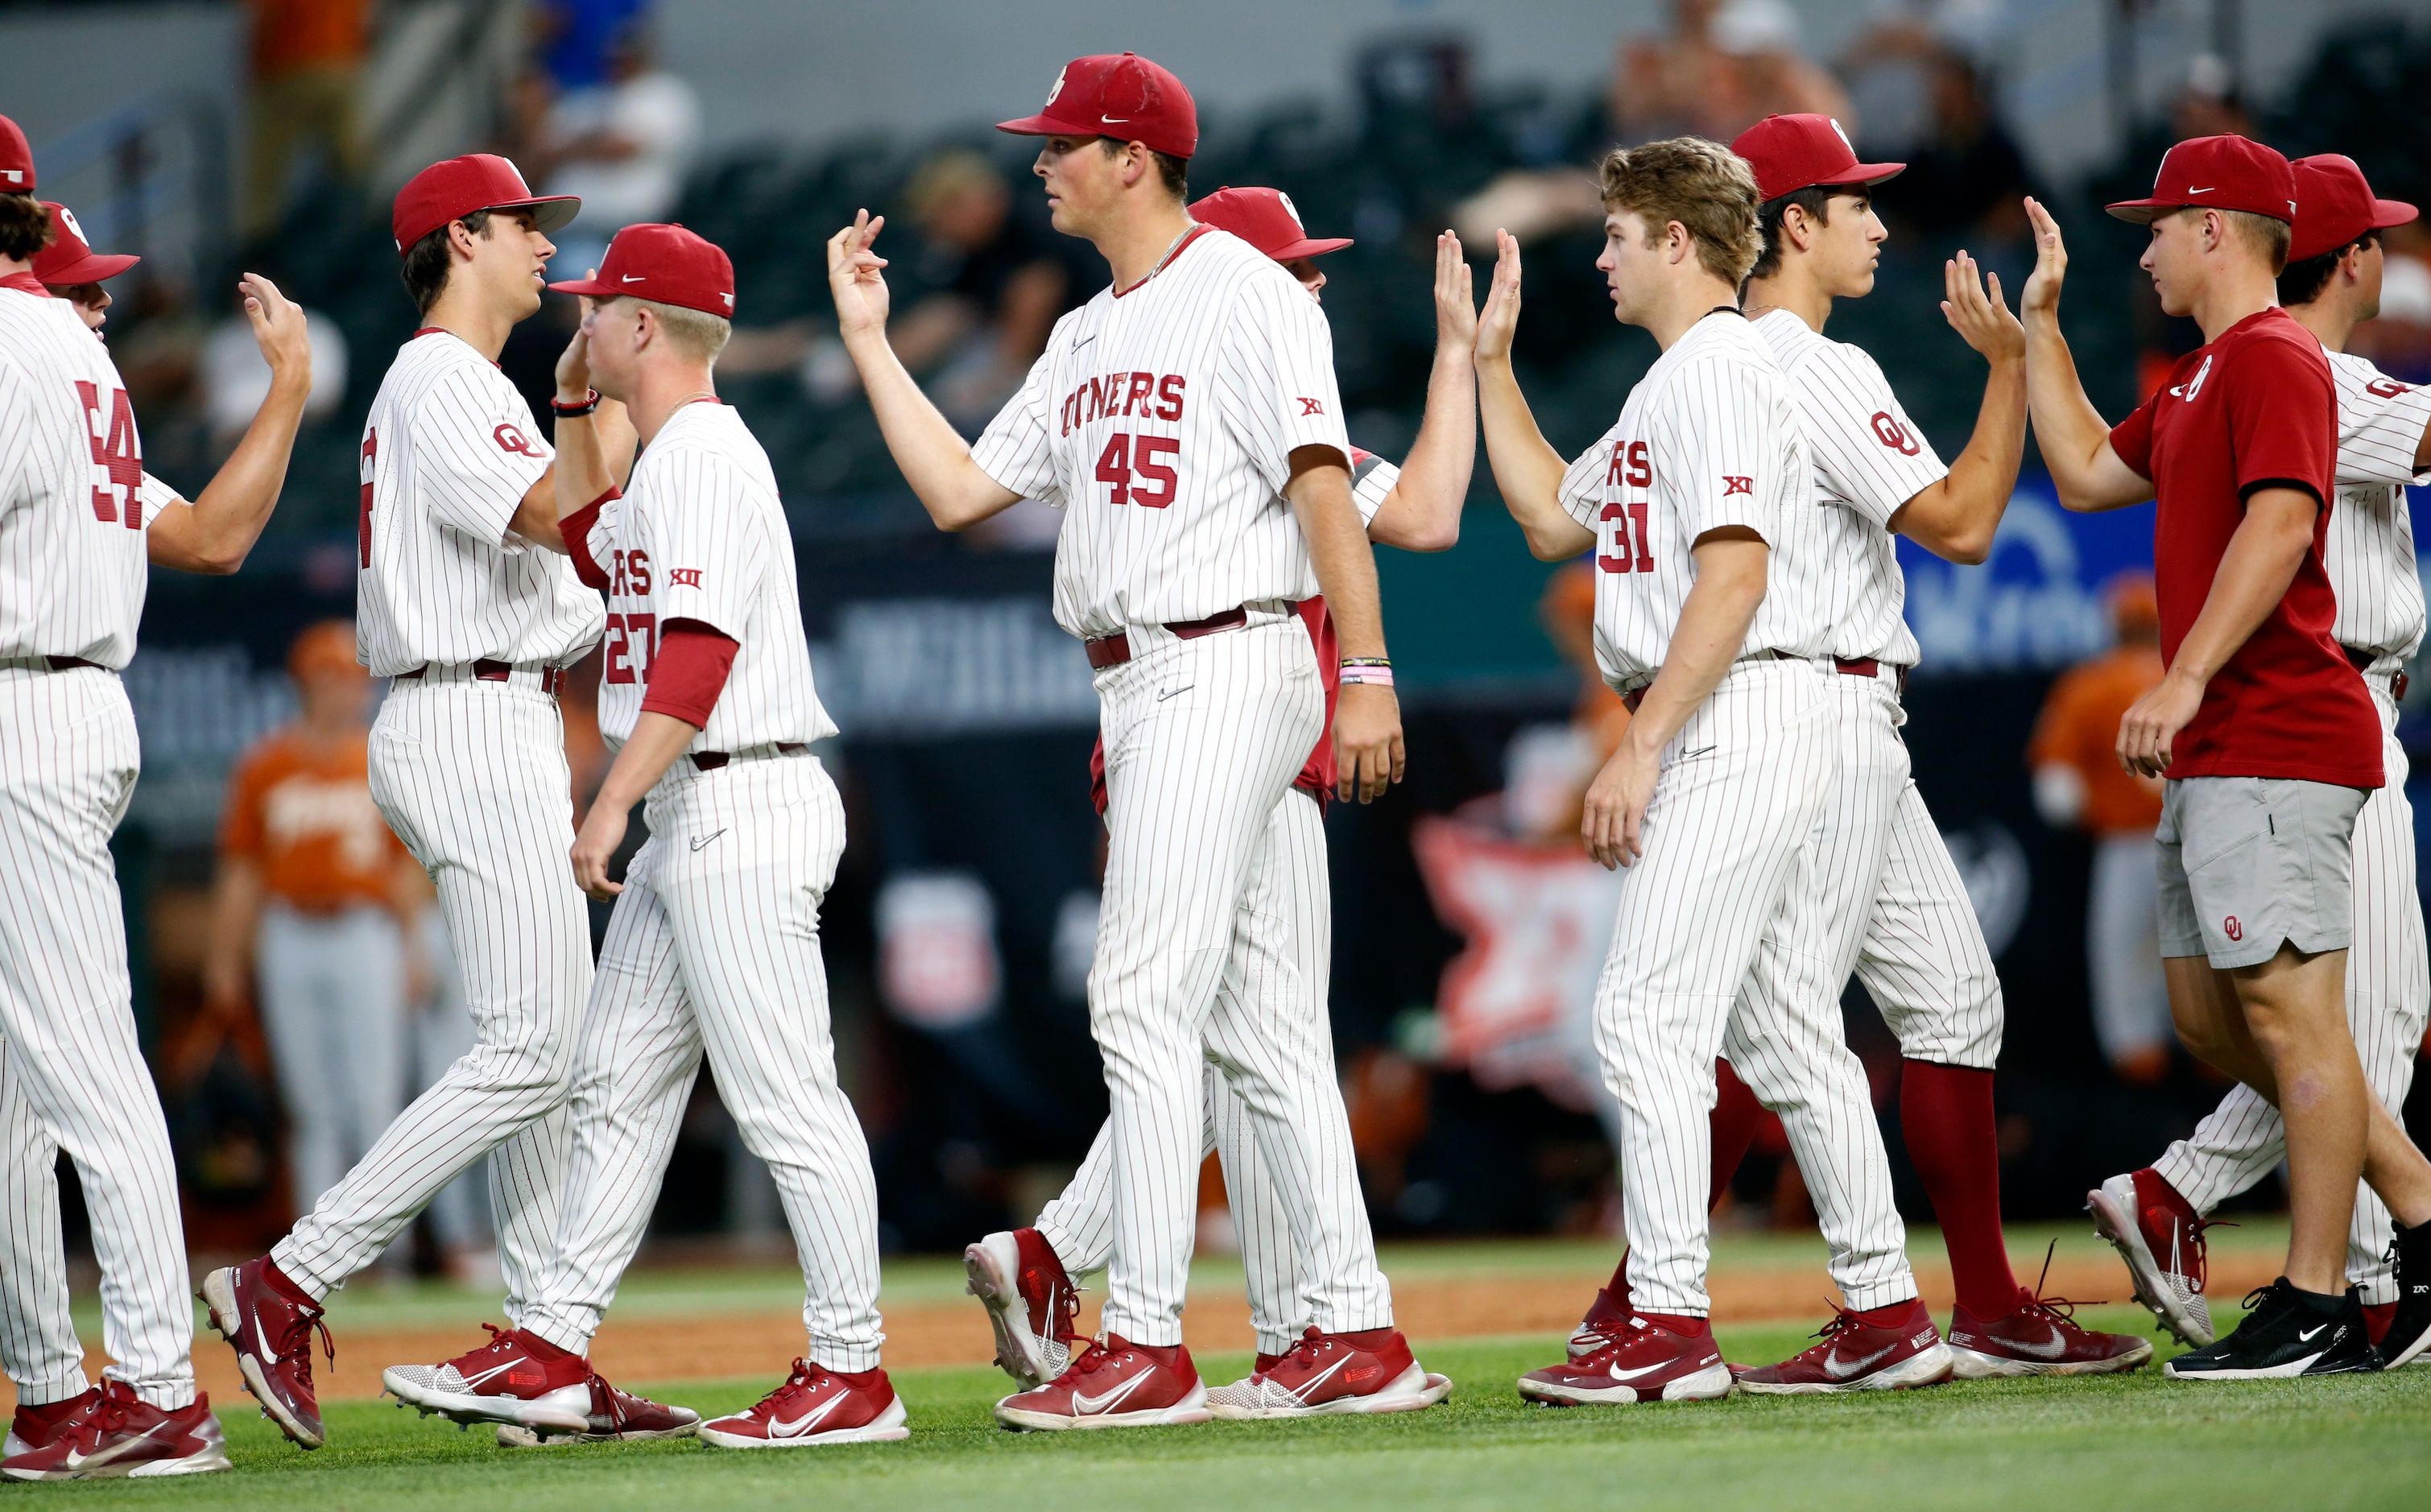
(1723, 67)
(624, 145)
(314, 886)
(2399, 342)
(2079, 782)
(439, 1034)
(578, 39)
(234, 379)
(2207, 104)
(998, 286)
(307, 59)
(1925, 104)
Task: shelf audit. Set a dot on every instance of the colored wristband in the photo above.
(1381, 677)
(575, 411)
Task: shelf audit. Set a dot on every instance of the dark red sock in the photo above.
(542, 1349)
(2377, 1318)
(1892, 1316)
(1678, 1322)
(1946, 1116)
(1736, 1116)
(285, 1287)
(861, 1379)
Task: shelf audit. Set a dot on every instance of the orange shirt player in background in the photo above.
(2078, 781)
(314, 886)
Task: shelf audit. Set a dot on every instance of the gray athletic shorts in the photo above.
(2247, 863)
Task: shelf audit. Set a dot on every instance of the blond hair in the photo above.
(1703, 185)
(2266, 236)
(695, 334)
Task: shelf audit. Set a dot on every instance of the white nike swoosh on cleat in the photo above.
(1619, 1375)
(2049, 1349)
(1317, 1380)
(1089, 1407)
(807, 1422)
(2307, 1337)
(1841, 1370)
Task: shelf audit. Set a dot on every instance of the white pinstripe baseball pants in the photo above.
(1785, 1039)
(1291, 889)
(471, 777)
(1728, 859)
(2389, 993)
(1203, 738)
(714, 945)
(71, 1076)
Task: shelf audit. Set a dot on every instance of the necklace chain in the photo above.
(1188, 226)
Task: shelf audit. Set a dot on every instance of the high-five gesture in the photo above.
(856, 277)
(2050, 264)
(279, 328)
(1500, 321)
(1971, 303)
(1455, 296)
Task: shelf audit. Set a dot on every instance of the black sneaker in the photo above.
(2409, 1329)
(2286, 1333)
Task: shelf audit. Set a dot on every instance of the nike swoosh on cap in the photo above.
(635, 277)
(2205, 190)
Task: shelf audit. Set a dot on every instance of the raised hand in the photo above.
(574, 363)
(1455, 296)
(1500, 320)
(279, 328)
(855, 277)
(2041, 296)
(1981, 318)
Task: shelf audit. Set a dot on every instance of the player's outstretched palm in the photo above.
(2051, 263)
(1455, 296)
(277, 326)
(856, 278)
(1977, 313)
(1500, 320)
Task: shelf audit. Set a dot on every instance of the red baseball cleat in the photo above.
(1603, 1322)
(1855, 1355)
(1114, 1385)
(517, 1377)
(271, 1324)
(1325, 1374)
(116, 1433)
(33, 1427)
(815, 1405)
(1030, 1302)
(1646, 1361)
(2040, 1337)
(2161, 1238)
(616, 1416)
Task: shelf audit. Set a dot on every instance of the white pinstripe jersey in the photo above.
(448, 452)
(1710, 437)
(700, 534)
(1165, 418)
(1869, 459)
(74, 496)
(2370, 552)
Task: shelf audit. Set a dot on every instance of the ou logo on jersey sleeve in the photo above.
(1894, 435)
(511, 439)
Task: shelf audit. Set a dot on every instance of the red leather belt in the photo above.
(552, 678)
(1856, 666)
(1114, 651)
(710, 761)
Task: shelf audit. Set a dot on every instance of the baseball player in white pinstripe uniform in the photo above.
(1713, 610)
(1187, 417)
(80, 522)
(468, 602)
(707, 697)
(1895, 909)
(2155, 1214)
(1024, 1277)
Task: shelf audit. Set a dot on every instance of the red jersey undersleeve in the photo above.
(690, 672)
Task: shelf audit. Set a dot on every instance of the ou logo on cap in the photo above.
(1293, 210)
(67, 217)
(1059, 83)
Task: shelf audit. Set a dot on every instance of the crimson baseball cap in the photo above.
(70, 259)
(666, 264)
(2335, 206)
(16, 159)
(2226, 171)
(1268, 220)
(1794, 152)
(1121, 95)
(478, 182)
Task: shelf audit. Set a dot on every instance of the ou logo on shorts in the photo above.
(2231, 928)
(510, 439)
(1894, 435)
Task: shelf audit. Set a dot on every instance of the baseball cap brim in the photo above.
(2143, 211)
(2389, 212)
(91, 268)
(1049, 125)
(1309, 246)
(1870, 174)
(550, 213)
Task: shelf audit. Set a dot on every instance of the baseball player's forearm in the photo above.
(1527, 470)
(236, 912)
(2074, 438)
(1422, 511)
(216, 531)
(1731, 565)
(936, 460)
(1956, 518)
(656, 741)
(1319, 492)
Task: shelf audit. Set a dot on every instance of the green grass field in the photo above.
(2138, 1442)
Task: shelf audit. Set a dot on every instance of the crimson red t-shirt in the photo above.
(1316, 776)
(2256, 408)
